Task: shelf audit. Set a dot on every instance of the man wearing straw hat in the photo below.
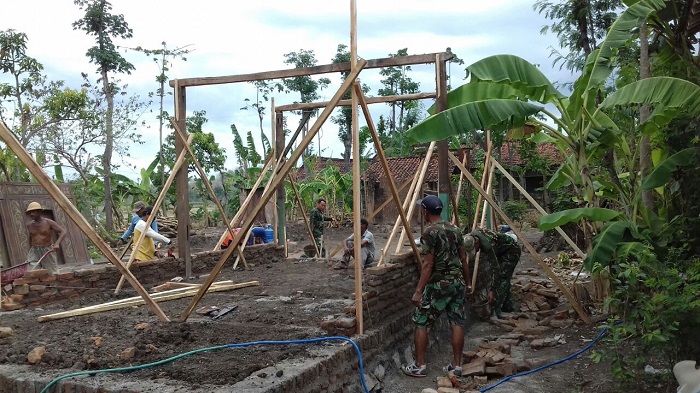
(41, 234)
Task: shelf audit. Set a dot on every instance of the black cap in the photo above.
(431, 203)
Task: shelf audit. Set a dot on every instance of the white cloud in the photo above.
(242, 37)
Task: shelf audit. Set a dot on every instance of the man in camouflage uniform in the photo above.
(502, 252)
(441, 286)
(486, 284)
(317, 224)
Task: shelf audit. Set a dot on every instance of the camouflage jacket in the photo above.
(316, 222)
(492, 245)
(443, 240)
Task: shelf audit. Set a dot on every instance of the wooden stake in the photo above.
(455, 220)
(416, 195)
(178, 164)
(279, 177)
(537, 206)
(356, 189)
(489, 190)
(75, 216)
(527, 244)
(385, 165)
(484, 176)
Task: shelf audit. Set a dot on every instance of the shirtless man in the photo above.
(41, 234)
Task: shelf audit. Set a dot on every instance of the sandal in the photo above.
(455, 370)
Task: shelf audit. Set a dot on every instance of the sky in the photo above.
(237, 37)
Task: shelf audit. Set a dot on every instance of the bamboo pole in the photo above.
(404, 206)
(160, 297)
(455, 220)
(527, 244)
(303, 214)
(385, 165)
(537, 206)
(279, 177)
(73, 213)
(374, 214)
(489, 190)
(484, 176)
(178, 164)
(412, 206)
(181, 136)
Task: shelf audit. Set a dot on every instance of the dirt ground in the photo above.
(294, 295)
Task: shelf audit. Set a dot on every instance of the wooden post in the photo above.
(73, 213)
(527, 244)
(183, 196)
(279, 177)
(303, 213)
(385, 165)
(459, 193)
(181, 135)
(417, 194)
(536, 205)
(281, 194)
(274, 137)
(357, 178)
(489, 190)
(161, 197)
(443, 146)
(374, 214)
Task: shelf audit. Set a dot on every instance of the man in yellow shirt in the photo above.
(147, 250)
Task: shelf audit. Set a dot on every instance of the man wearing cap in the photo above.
(502, 251)
(317, 220)
(42, 230)
(147, 249)
(441, 286)
(138, 209)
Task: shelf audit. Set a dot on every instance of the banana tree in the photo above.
(506, 92)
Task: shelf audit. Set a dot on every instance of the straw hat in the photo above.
(34, 206)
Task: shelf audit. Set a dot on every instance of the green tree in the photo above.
(307, 87)
(37, 103)
(99, 22)
(403, 113)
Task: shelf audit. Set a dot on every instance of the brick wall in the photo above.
(38, 287)
(387, 294)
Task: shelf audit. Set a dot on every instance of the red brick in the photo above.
(36, 273)
(25, 280)
(48, 278)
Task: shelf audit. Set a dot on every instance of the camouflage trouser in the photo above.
(508, 261)
(321, 248)
(479, 299)
(441, 296)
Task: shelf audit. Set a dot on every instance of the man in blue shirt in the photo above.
(139, 206)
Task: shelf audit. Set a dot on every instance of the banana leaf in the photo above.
(599, 64)
(518, 73)
(480, 115)
(662, 173)
(551, 221)
(477, 91)
(605, 244)
(668, 95)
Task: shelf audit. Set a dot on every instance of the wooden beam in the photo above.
(537, 206)
(484, 177)
(385, 165)
(281, 196)
(131, 302)
(455, 220)
(322, 69)
(370, 100)
(75, 216)
(527, 244)
(279, 177)
(161, 197)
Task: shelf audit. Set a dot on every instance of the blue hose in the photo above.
(170, 359)
(573, 355)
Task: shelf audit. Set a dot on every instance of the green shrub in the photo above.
(515, 210)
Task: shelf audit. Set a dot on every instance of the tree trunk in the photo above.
(645, 164)
(109, 147)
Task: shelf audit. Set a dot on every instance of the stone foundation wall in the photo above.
(386, 295)
(38, 287)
